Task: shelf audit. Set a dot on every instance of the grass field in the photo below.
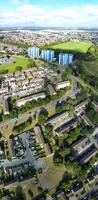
(73, 46)
(52, 176)
(19, 61)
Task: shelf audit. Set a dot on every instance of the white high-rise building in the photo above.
(47, 55)
(33, 52)
(70, 59)
(65, 59)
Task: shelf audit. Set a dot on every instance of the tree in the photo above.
(0, 135)
(65, 151)
(75, 133)
(48, 130)
(19, 193)
(2, 145)
(59, 108)
(46, 81)
(42, 117)
(57, 159)
(19, 128)
(73, 167)
(29, 120)
(31, 63)
(66, 182)
(1, 79)
(18, 68)
(10, 103)
(40, 189)
(1, 118)
(4, 71)
(58, 71)
(31, 193)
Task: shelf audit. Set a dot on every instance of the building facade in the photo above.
(47, 55)
(65, 59)
(62, 85)
(70, 59)
(33, 52)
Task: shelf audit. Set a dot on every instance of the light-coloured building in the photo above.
(4, 90)
(87, 121)
(65, 127)
(58, 119)
(80, 107)
(91, 152)
(6, 107)
(81, 145)
(41, 140)
(65, 59)
(33, 52)
(36, 96)
(12, 150)
(47, 55)
(39, 135)
(95, 103)
(62, 85)
(52, 90)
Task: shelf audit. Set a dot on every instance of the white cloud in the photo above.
(84, 16)
(19, 1)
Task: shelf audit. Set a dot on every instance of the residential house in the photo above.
(87, 121)
(6, 107)
(66, 127)
(36, 96)
(57, 119)
(80, 107)
(81, 145)
(62, 85)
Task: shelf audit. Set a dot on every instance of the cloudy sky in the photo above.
(58, 13)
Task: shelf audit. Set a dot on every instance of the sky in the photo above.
(49, 13)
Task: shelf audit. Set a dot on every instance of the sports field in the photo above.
(19, 62)
(73, 46)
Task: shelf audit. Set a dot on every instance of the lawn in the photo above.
(19, 61)
(73, 46)
(52, 176)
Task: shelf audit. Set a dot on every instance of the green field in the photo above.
(19, 61)
(73, 46)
